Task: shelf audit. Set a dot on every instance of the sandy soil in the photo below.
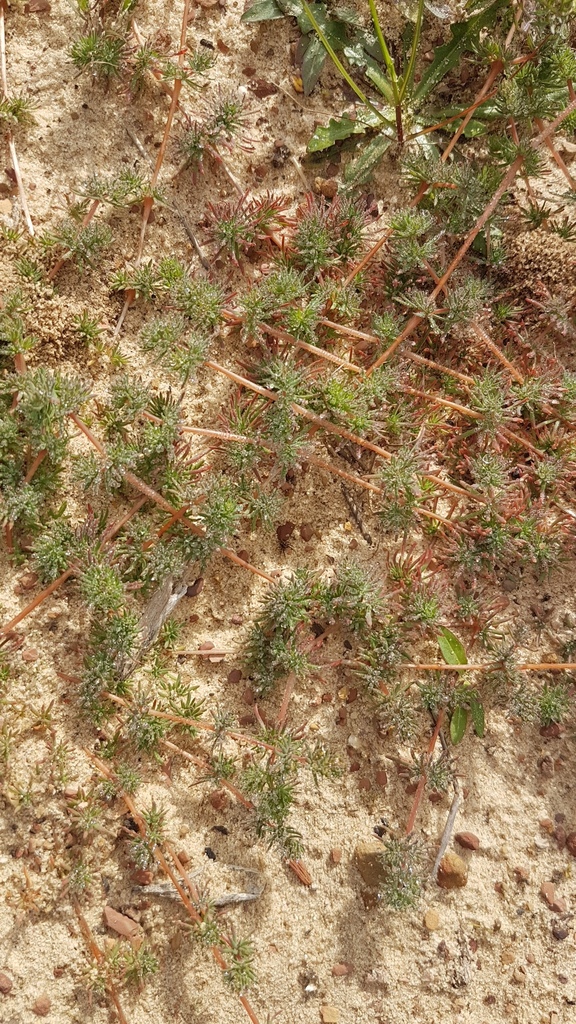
(494, 956)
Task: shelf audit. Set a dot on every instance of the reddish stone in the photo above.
(548, 893)
(5, 984)
(571, 843)
(336, 855)
(467, 840)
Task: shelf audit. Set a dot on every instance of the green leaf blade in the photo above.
(458, 724)
(452, 648)
(446, 57)
(262, 10)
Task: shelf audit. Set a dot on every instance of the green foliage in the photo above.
(272, 648)
(102, 55)
(402, 860)
(16, 111)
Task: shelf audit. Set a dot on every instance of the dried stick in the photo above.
(448, 828)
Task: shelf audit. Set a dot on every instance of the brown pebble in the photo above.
(184, 857)
(59, 971)
(381, 778)
(236, 620)
(42, 1006)
(330, 1014)
(26, 582)
(207, 645)
(467, 840)
(352, 695)
(547, 825)
(571, 843)
(340, 970)
(364, 784)
(141, 876)
(30, 654)
(432, 920)
(327, 698)
(336, 855)
(559, 932)
(246, 720)
(548, 893)
(306, 532)
(369, 861)
(248, 696)
(453, 872)
(5, 984)
(435, 797)
(235, 676)
(218, 799)
(284, 532)
(522, 875)
(551, 732)
(327, 187)
(195, 588)
(244, 555)
(120, 924)
(530, 958)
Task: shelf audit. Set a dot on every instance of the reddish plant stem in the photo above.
(556, 155)
(496, 69)
(505, 184)
(332, 428)
(99, 957)
(37, 600)
(422, 782)
(159, 500)
(201, 763)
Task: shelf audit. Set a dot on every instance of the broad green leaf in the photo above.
(360, 170)
(446, 57)
(262, 10)
(458, 724)
(452, 648)
(312, 64)
(357, 56)
(477, 715)
(336, 130)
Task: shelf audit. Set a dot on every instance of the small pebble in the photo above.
(184, 857)
(559, 932)
(547, 825)
(571, 843)
(467, 840)
(432, 920)
(330, 1014)
(42, 1006)
(30, 654)
(336, 855)
(142, 876)
(120, 924)
(340, 970)
(235, 676)
(548, 893)
(218, 799)
(453, 872)
(519, 976)
(306, 532)
(5, 984)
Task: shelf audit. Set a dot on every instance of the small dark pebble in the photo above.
(284, 533)
(559, 932)
(209, 852)
(195, 588)
(207, 44)
(221, 829)
(235, 676)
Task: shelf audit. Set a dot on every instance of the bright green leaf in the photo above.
(458, 724)
(477, 714)
(452, 648)
(336, 130)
